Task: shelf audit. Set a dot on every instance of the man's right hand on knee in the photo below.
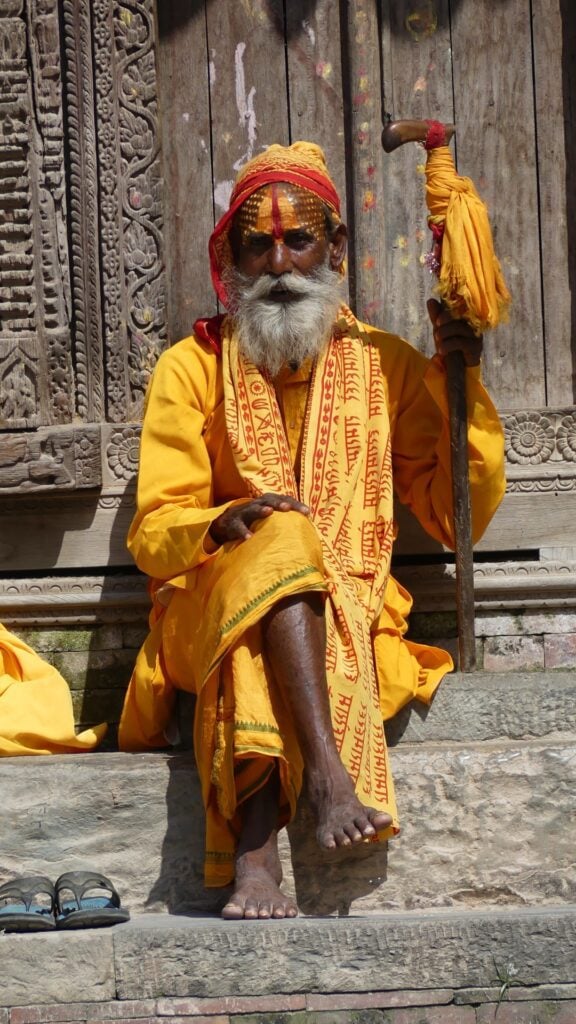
(235, 522)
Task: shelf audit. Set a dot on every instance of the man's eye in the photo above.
(298, 239)
(258, 242)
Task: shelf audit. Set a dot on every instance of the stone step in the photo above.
(483, 823)
(478, 706)
(491, 705)
(184, 960)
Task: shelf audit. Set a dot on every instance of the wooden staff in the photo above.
(395, 134)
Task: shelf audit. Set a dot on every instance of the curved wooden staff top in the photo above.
(396, 133)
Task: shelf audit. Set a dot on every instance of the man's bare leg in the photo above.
(295, 639)
(257, 892)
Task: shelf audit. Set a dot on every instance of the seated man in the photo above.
(271, 443)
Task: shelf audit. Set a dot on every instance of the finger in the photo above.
(254, 512)
(434, 309)
(471, 350)
(284, 503)
(238, 530)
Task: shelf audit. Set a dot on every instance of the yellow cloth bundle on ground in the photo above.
(36, 714)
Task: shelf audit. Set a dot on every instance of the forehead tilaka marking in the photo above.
(278, 208)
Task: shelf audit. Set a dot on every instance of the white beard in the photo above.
(272, 334)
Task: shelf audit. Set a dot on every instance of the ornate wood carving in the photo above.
(84, 211)
(541, 450)
(82, 297)
(35, 355)
(130, 208)
(58, 457)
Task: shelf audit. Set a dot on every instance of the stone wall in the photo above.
(96, 662)
(550, 1004)
(95, 646)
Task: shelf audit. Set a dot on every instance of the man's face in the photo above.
(285, 287)
(281, 229)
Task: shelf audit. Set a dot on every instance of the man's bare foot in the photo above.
(257, 892)
(341, 819)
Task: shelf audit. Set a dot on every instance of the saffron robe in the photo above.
(198, 455)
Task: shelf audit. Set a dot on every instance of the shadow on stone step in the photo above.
(328, 883)
(180, 884)
(396, 727)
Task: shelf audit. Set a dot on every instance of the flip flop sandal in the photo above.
(20, 908)
(87, 911)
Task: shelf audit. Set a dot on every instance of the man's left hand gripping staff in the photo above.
(452, 335)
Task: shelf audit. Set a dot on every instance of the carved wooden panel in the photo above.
(35, 349)
(55, 457)
(82, 294)
(130, 200)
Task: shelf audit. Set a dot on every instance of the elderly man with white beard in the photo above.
(272, 442)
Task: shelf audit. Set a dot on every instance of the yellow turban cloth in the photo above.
(470, 280)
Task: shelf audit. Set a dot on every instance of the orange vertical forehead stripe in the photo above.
(278, 208)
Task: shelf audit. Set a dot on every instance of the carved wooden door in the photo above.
(82, 301)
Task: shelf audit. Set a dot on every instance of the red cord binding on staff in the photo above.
(436, 135)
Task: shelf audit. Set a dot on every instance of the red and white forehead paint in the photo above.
(281, 207)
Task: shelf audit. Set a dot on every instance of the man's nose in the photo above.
(280, 258)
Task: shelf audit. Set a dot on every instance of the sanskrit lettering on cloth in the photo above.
(346, 481)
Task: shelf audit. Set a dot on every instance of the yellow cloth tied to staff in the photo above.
(470, 279)
(36, 714)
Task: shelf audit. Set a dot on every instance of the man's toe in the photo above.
(232, 911)
(326, 839)
(380, 819)
(251, 910)
(353, 833)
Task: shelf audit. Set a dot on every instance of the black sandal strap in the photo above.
(80, 882)
(26, 888)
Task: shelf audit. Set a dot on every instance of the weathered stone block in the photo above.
(134, 636)
(56, 967)
(560, 650)
(432, 624)
(513, 653)
(477, 823)
(489, 706)
(89, 670)
(525, 622)
(94, 706)
(527, 1013)
(176, 956)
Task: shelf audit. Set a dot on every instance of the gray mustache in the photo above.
(290, 282)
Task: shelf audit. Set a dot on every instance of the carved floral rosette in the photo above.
(541, 450)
